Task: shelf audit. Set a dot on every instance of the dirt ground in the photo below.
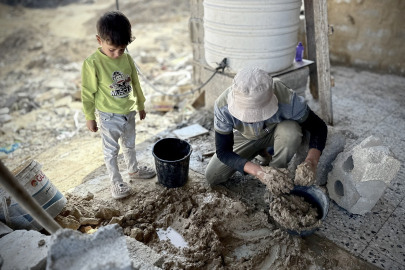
(223, 228)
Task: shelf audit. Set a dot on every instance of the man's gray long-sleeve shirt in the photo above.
(290, 107)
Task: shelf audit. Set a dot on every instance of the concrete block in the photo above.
(196, 9)
(4, 229)
(360, 176)
(215, 87)
(196, 28)
(335, 144)
(297, 80)
(104, 249)
(198, 52)
(23, 249)
(143, 253)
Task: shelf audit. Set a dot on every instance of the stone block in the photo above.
(361, 175)
(296, 80)
(143, 253)
(23, 249)
(196, 28)
(104, 249)
(198, 52)
(335, 144)
(215, 87)
(196, 9)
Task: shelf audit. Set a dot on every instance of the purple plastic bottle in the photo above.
(299, 52)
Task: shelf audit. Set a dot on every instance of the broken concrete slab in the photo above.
(104, 249)
(4, 229)
(361, 175)
(190, 131)
(23, 249)
(140, 252)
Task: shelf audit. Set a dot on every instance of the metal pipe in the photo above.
(25, 200)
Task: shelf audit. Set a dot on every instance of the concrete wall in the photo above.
(369, 34)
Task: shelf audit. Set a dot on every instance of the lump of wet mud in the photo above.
(304, 176)
(294, 213)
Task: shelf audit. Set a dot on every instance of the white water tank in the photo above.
(251, 33)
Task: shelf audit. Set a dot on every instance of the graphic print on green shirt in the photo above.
(121, 85)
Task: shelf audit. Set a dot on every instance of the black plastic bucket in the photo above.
(172, 159)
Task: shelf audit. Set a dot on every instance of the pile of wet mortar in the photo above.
(196, 228)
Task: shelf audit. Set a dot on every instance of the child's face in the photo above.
(111, 51)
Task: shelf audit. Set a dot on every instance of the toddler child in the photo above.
(110, 85)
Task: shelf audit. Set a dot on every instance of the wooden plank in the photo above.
(311, 46)
(320, 9)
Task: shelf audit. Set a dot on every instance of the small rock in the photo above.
(68, 195)
(41, 242)
(145, 58)
(127, 231)
(117, 220)
(65, 101)
(55, 83)
(131, 215)
(76, 213)
(137, 234)
(4, 118)
(68, 222)
(130, 222)
(87, 229)
(89, 221)
(89, 196)
(36, 46)
(107, 213)
(147, 235)
(54, 93)
(5, 110)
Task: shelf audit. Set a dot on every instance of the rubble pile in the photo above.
(213, 226)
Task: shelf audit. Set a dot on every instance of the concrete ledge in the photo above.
(23, 249)
(105, 249)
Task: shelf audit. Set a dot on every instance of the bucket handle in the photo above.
(191, 150)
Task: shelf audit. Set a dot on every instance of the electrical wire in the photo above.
(221, 65)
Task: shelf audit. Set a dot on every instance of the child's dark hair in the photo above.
(115, 28)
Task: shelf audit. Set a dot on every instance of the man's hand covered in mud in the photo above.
(276, 180)
(305, 174)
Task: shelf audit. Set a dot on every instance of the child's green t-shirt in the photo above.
(110, 85)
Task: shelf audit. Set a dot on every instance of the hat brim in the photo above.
(252, 115)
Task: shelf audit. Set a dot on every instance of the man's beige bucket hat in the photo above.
(252, 98)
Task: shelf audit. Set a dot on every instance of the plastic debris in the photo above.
(11, 148)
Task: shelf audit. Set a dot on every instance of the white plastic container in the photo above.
(41, 189)
(258, 33)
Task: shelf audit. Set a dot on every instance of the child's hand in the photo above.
(92, 125)
(142, 114)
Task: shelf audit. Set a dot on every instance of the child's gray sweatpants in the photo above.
(112, 127)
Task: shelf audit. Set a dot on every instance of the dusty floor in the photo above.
(224, 228)
(365, 104)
